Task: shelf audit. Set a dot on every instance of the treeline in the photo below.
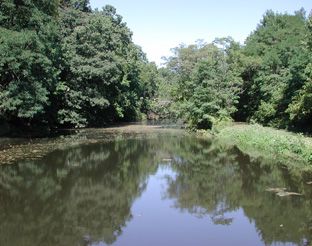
(63, 64)
(268, 80)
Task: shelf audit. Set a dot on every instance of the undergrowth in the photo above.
(285, 145)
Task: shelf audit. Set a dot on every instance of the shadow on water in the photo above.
(82, 192)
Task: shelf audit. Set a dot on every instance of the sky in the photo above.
(160, 25)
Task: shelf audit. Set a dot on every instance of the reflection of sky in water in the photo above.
(156, 222)
(147, 185)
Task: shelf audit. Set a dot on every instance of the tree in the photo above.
(278, 56)
(29, 60)
(300, 108)
(209, 81)
(182, 62)
(64, 64)
(103, 82)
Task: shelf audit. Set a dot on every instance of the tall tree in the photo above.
(300, 109)
(276, 67)
(208, 80)
(101, 83)
(29, 60)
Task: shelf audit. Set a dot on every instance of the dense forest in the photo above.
(63, 64)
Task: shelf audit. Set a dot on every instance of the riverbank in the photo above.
(292, 150)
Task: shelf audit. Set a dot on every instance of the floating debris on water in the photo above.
(282, 192)
(276, 189)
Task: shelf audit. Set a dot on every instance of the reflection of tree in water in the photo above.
(83, 195)
(74, 197)
(206, 181)
(213, 180)
(277, 219)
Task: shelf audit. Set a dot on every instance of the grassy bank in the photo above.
(293, 150)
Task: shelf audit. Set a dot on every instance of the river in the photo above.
(147, 185)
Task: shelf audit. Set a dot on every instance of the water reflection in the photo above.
(216, 180)
(83, 194)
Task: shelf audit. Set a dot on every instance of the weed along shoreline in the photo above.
(291, 150)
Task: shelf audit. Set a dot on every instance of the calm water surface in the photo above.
(147, 185)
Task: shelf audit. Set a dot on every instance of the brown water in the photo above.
(147, 185)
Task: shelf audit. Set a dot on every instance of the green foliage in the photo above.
(285, 145)
(29, 62)
(158, 86)
(301, 105)
(300, 108)
(22, 14)
(103, 82)
(208, 81)
(278, 48)
(63, 64)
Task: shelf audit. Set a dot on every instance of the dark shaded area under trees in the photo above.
(65, 65)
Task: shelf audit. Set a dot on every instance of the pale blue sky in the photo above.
(160, 25)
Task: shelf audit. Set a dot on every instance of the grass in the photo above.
(281, 144)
